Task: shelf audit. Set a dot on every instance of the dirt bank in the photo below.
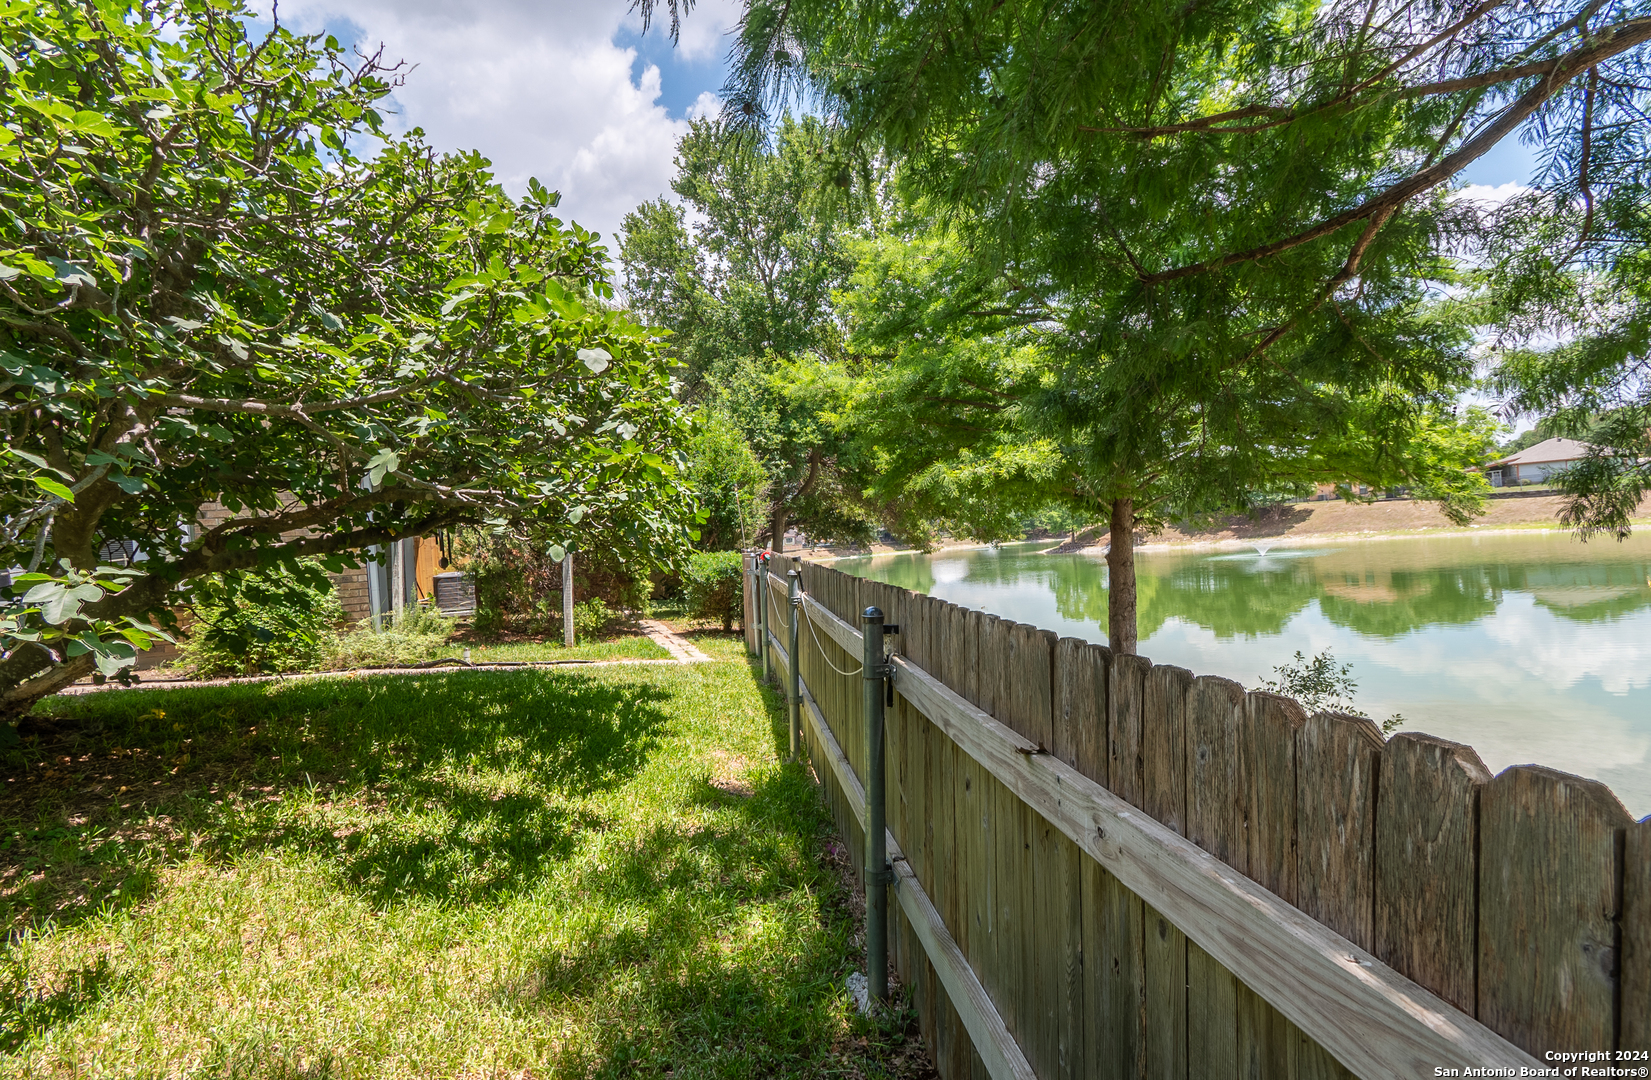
(1335, 518)
(1305, 519)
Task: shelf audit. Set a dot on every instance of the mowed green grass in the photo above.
(633, 647)
(593, 872)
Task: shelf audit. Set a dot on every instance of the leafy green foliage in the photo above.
(419, 634)
(982, 409)
(592, 618)
(1233, 223)
(51, 616)
(519, 587)
(714, 582)
(262, 622)
(208, 294)
(1320, 684)
(747, 294)
(730, 484)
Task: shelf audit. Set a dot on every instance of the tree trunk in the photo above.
(1120, 590)
(776, 525)
(19, 697)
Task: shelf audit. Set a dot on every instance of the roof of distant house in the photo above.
(1550, 450)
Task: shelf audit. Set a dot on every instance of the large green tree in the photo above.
(982, 401)
(1242, 204)
(206, 294)
(745, 286)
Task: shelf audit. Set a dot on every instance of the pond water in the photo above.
(1530, 647)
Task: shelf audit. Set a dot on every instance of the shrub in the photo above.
(420, 634)
(519, 590)
(1320, 684)
(730, 482)
(269, 621)
(715, 586)
(592, 617)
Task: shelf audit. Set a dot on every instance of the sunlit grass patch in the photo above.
(631, 647)
(593, 872)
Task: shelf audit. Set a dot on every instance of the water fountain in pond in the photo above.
(1262, 549)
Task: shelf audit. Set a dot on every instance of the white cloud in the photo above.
(704, 31)
(707, 106)
(1487, 196)
(538, 87)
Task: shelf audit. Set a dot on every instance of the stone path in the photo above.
(681, 649)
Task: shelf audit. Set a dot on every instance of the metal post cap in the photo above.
(872, 613)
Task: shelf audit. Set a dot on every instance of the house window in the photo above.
(118, 552)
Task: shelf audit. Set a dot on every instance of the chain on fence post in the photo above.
(794, 594)
(875, 671)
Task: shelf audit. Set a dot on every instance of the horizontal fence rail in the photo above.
(1106, 867)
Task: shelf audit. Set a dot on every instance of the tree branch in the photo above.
(1630, 34)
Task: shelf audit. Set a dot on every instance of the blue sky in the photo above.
(682, 79)
(1508, 162)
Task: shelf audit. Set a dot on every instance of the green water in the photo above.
(1530, 647)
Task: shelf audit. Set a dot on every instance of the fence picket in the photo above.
(1212, 1017)
(1337, 761)
(1549, 898)
(1267, 742)
(1112, 970)
(1126, 697)
(1164, 796)
(1636, 939)
(1215, 823)
(1426, 864)
(1164, 745)
(1164, 977)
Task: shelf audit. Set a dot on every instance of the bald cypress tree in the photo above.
(1227, 207)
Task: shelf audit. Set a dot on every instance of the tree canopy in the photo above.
(746, 290)
(221, 280)
(1254, 185)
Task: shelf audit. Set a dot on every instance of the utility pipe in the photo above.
(567, 598)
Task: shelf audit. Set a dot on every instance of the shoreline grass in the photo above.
(596, 872)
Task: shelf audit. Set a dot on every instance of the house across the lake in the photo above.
(1536, 463)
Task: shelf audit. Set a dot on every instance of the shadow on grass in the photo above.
(444, 786)
(695, 981)
(27, 1010)
(692, 982)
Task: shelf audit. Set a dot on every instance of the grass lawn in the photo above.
(589, 872)
(633, 647)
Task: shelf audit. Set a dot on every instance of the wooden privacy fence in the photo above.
(1110, 868)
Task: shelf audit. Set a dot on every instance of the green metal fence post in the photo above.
(874, 672)
(762, 608)
(794, 593)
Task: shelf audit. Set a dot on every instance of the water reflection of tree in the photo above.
(1590, 592)
(1377, 597)
(913, 572)
(1227, 598)
(1378, 590)
(1411, 599)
